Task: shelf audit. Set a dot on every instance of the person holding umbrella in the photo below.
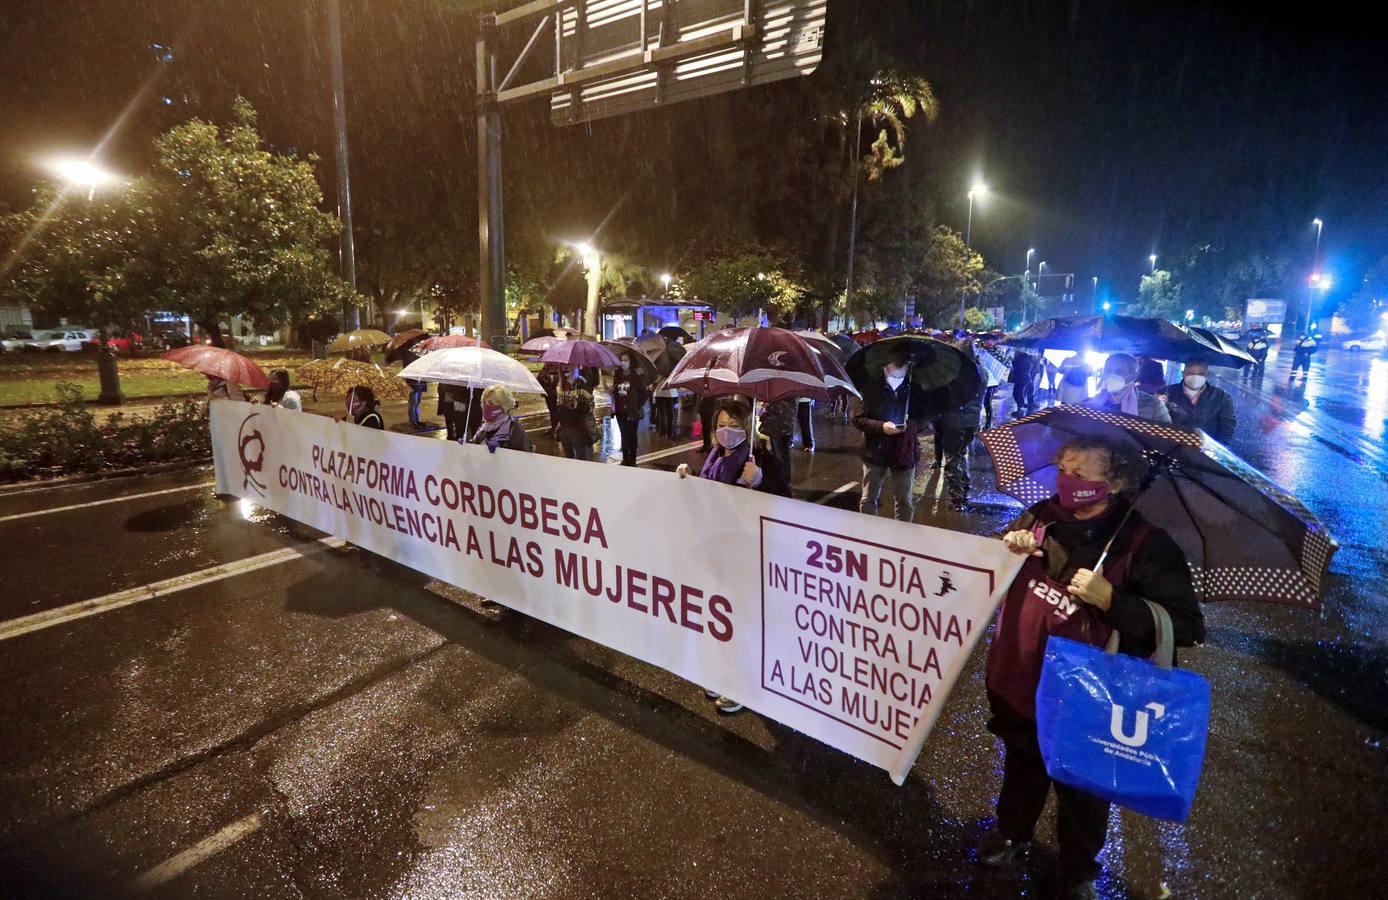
(1258, 349)
(1086, 542)
(577, 428)
(891, 449)
(630, 394)
(735, 460)
(279, 394)
(1023, 384)
(500, 427)
(549, 380)
(1301, 356)
(1119, 392)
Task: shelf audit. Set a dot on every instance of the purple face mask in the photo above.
(1075, 492)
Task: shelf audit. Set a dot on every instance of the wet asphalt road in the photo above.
(331, 724)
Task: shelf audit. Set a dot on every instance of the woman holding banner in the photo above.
(1085, 544)
(500, 427)
(734, 460)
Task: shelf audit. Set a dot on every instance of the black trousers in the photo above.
(1301, 361)
(988, 393)
(1081, 820)
(663, 416)
(804, 412)
(956, 449)
(1024, 396)
(780, 448)
(628, 427)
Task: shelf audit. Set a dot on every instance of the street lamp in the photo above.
(1107, 306)
(978, 191)
(1093, 294)
(1153, 260)
(665, 279)
(592, 263)
(82, 173)
(1190, 314)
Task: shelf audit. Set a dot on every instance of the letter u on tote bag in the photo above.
(1121, 727)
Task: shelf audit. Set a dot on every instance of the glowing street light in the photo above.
(1190, 314)
(82, 173)
(1153, 260)
(665, 279)
(1107, 306)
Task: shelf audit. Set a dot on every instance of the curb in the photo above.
(86, 477)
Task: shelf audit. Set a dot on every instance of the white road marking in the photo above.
(669, 451)
(841, 489)
(208, 847)
(80, 610)
(90, 503)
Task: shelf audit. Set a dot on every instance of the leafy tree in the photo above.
(1159, 297)
(1364, 310)
(743, 283)
(220, 227)
(948, 272)
(976, 319)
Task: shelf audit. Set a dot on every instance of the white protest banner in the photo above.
(849, 628)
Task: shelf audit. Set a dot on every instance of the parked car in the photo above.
(120, 343)
(67, 340)
(13, 341)
(1374, 343)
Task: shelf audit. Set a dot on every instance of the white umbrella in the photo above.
(474, 367)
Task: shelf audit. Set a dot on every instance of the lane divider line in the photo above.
(57, 509)
(841, 489)
(204, 849)
(80, 610)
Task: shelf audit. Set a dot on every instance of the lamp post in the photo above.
(979, 191)
(1153, 260)
(85, 173)
(1026, 280)
(1093, 294)
(665, 279)
(1315, 270)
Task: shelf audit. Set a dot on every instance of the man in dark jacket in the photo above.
(959, 426)
(1195, 403)
(630, 393)
(1023, 384)
(891, 446)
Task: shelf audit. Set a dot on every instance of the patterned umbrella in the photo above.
(583, 354)
(1244, 537)
(219, 362)
(643, 363)
(339, 376)
(362, 337)
(447, 342)
(943, 377)
(766, 364)
(475, 367)
(824, 342)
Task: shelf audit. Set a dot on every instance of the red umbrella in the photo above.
(219, 362)
(446, 342)
(583, 354)
(405, 338)
(767, 364)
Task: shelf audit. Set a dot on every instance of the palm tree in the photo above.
(892, 98)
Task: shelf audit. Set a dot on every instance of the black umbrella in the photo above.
(943, 377)
(1244, 537)
(1223, 352)
(1155, 338)
(676, 333)
(642, 362)
(846, 343)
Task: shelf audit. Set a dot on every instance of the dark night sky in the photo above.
(1107, 130)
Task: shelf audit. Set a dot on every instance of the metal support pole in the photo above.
(490, 233)
(350, 316)
(853, 214)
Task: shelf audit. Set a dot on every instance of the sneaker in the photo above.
(1078, 890)
(712, 695)
(996, 851)
(727, 705)
(808, 449)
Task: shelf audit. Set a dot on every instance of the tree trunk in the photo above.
(214, 331)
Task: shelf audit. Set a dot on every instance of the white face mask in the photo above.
(894, 379)
(729, 438)
(1195, 382)
(1115, 384)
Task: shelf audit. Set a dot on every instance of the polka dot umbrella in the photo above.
(1244, 537)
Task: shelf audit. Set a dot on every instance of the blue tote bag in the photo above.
(1121, 727)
